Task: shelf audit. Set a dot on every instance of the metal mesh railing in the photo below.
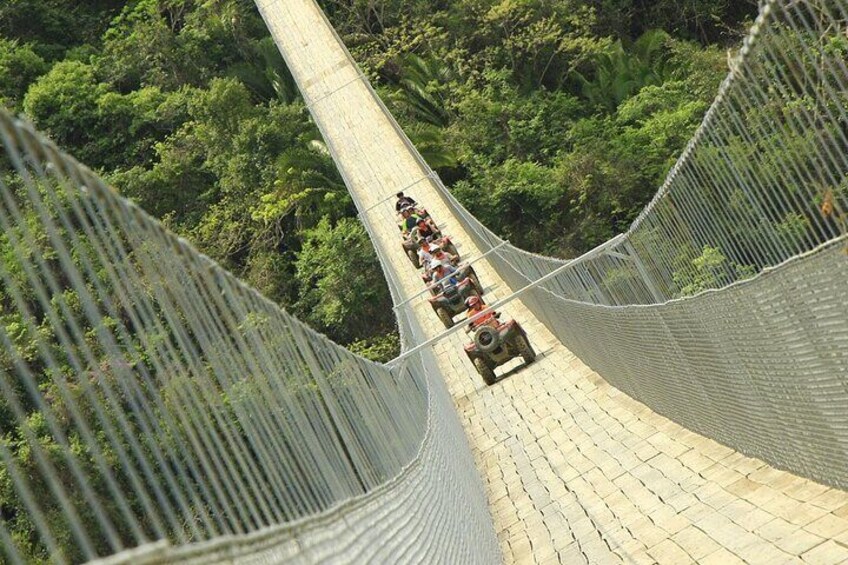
(757, 198)
(154, 407)
(762, 181)
(723, 306)
(756, 206)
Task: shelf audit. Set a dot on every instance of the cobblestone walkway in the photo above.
(575, 471)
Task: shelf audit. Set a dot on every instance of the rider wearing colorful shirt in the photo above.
(444, 275)
(425, 255)
(476, 305)
(409, 219)
(424, 229)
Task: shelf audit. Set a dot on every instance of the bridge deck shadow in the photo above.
(521, 366)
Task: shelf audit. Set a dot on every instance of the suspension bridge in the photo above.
(689, 402)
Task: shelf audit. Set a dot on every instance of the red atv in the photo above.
(494, 346)
(451, 301)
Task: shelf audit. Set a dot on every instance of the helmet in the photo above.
(406, 209)
(425, 243)
(472, 301)
(437, 265)
(399, 195)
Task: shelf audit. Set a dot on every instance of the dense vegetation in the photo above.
(560, 115)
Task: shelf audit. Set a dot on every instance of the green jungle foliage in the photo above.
(554, 121)
(560, 115)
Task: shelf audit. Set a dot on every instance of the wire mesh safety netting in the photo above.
(762, 181)
(154, 408)
(725, 305)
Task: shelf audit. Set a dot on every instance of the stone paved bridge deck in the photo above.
(575, 471)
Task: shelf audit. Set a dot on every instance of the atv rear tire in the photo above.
(525, 349)
(486, 339)
(485, 371)
(445, 317)
(413, 256)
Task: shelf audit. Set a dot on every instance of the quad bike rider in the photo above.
(411, 244)
(448, 255)
(425, 255)
(437, 254)
(453, 288)
(409, 202)
(404, 202)
(408, 220)
(429, 232)
(495, 342)
(409, 231)
(422, 230)
(429, 252)
(411, 216)
(442, 243)
(426, 230)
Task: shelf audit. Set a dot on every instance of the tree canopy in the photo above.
(554, 121)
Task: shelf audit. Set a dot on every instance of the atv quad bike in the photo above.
(445, 243)
(418, 211)
(412, 242)
(451, 301)
(494, 346)
(464, 272)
